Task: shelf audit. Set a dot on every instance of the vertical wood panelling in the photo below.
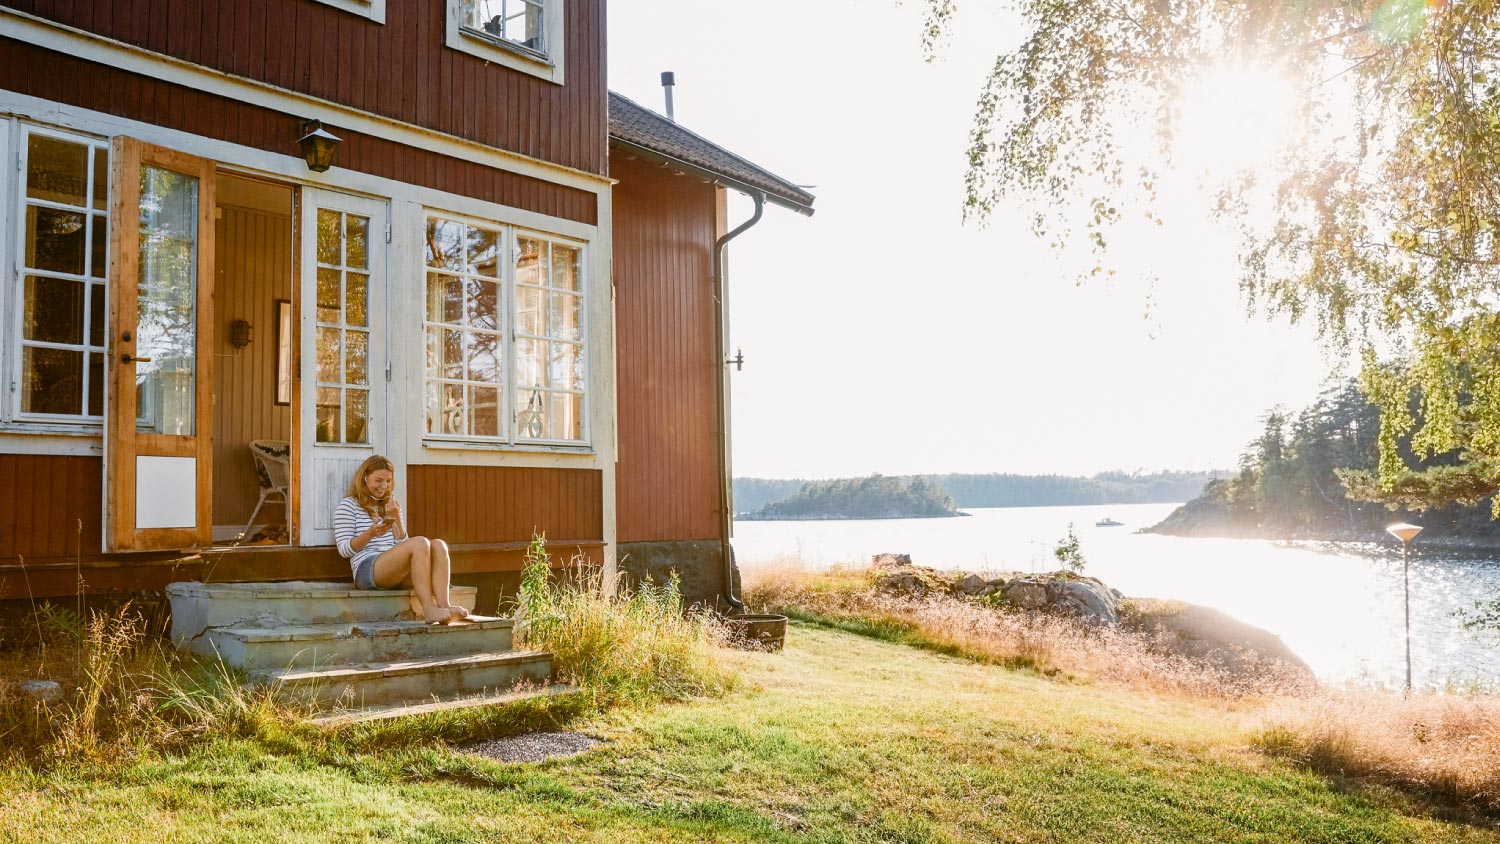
(323, 51)
(43, 499)
(668, 472)
(480, 504)
(31, 70)
(254, 266)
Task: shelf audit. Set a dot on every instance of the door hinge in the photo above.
(387, 371)
(387, 232)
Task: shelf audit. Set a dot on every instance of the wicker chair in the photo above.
(273, 471)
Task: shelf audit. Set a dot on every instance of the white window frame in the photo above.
(504, 301)
(508, 438)
(544, 64)
(372, 9)
(13, 201)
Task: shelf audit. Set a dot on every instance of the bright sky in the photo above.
(885, 335)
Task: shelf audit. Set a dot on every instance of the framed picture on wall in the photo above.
(283, 352)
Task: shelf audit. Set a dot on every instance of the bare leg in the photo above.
(441, 571)
(411, 561)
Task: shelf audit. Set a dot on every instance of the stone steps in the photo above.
(380, 713)
(356, 653)
(321, 645)
(409, 682)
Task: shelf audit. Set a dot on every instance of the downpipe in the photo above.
(726, 489)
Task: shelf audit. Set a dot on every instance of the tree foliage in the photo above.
(874, 497)
(1383, 211)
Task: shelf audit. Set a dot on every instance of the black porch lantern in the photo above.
(318, 145)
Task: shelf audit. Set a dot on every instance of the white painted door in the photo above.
(342, 332)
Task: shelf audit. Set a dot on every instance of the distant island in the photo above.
(875, 497)
(1009, 490)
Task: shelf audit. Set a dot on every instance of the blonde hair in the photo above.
(360, 492)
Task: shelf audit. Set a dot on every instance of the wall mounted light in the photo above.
(318, 146)
(239, 333)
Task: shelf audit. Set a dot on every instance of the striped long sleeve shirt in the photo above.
(349, 521)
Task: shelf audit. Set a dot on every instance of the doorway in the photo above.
(253, 347)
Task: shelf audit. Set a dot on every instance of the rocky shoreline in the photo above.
(1453, 529)
(1199, 632)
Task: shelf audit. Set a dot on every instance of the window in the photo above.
(56, 362)
(343, 319)
(524, 35)
(372, 9)
(490, 378)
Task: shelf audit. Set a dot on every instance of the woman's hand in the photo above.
(393, 511)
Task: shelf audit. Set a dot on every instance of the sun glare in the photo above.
(1234, 119)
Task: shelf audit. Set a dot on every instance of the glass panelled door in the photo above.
(343, 374)
(157, 434)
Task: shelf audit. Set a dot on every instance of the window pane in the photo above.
(484, 299)
(330, 415)
(567, 416)
(484, 357)
(434, 409)
(96, 315)
(101, 179)
(51, 381)
(530, 318)
(357, 358)
(566, 367)
(329, 237)
(453, 354)
(484, 252)
(99, 250)
(167, 301)
(56, 170)
(53, 310)
(484, 419)
(328, 296)
(96, 384)
(330, 364)
(356, 296)
(445, 245)
(567, 317)
(453, 409)
(530, 365)
(357, 416)
(565, 267)
(529, 254)
(357, 239)
(531, 414)
(445, 299)
(54, 240)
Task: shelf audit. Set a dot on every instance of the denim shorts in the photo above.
(364, 574)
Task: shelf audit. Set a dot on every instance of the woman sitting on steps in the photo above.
(371, 532)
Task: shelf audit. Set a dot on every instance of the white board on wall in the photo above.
(166, 492)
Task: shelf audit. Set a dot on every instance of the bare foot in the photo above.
(459, 612)
(437, 615)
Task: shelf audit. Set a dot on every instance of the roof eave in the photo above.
(711, 175)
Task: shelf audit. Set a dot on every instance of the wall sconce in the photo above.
(239, 333)
(318, 145)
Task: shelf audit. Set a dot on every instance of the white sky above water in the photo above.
(883, 334)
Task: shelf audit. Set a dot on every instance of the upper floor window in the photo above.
(524, 35)
(372, 9)
(54, 365)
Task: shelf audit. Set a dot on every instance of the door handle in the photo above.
(126, 358)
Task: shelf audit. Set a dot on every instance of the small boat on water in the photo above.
(1108, 522)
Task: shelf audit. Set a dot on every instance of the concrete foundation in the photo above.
(698, 563)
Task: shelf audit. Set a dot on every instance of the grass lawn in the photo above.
(838, 739)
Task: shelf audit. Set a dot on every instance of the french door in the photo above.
(342, 304)
(158, 462)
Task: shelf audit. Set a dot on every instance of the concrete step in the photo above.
(410, 682)
(325, 645)
(341, 717)
(199, 606)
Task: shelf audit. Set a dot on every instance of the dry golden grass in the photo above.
(1444, 744)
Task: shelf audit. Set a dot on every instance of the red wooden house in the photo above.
(507, 280)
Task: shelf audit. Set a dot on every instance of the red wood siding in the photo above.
(42, 73)
(42, 501)
(402, 69)
(499, 505)
(668, 470)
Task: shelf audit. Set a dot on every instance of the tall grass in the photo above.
(1051, 645)
(634, 647)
